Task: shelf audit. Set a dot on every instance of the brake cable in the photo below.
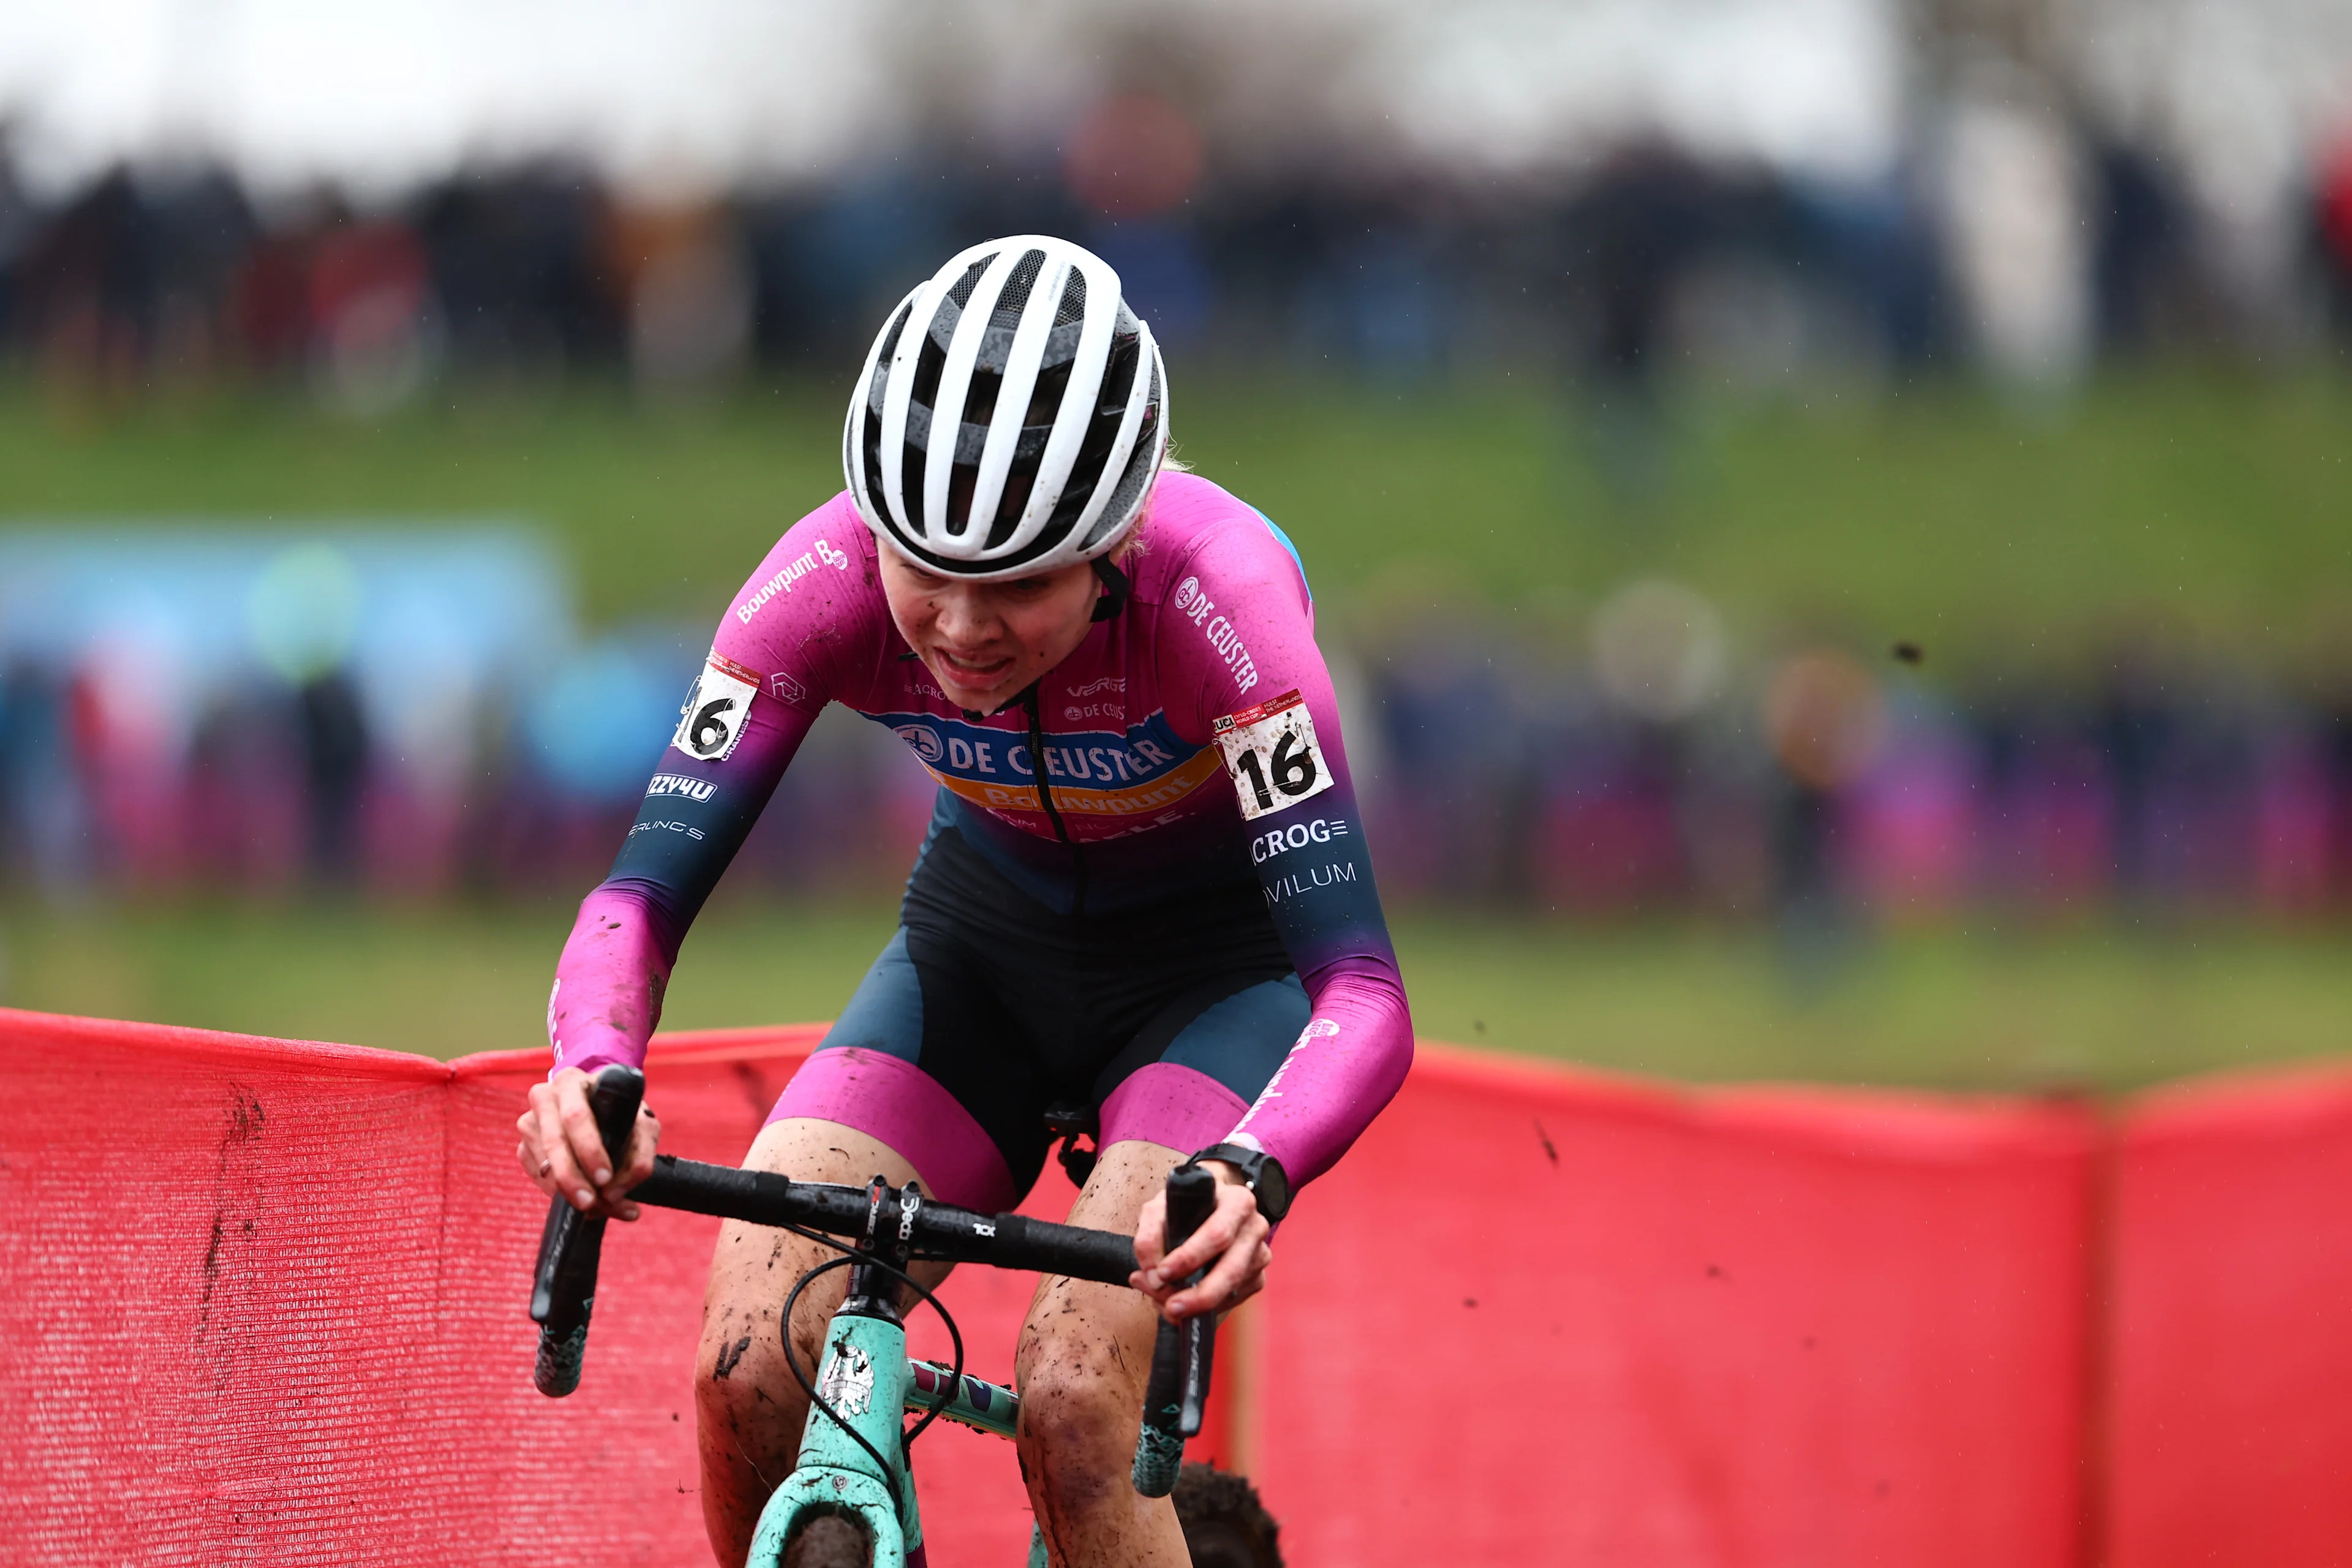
(945, 1397)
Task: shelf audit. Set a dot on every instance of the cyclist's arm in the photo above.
(1309, 852)
(791, 639)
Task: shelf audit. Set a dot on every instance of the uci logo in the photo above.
(925, 740)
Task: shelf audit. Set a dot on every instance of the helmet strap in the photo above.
(1116, 588)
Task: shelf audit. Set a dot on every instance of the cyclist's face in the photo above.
(986, 641)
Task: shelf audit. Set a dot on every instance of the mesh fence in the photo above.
(265, 1301)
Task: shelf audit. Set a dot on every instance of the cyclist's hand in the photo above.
(1231, 1244)
(562, 1151)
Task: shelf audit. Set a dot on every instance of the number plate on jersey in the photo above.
(718, 706)
(1271, 754)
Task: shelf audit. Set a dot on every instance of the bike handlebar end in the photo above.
(562, 1358)
(563, 1285)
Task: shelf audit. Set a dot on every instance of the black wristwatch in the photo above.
(1262, 1174)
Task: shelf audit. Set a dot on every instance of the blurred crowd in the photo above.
(2020, 245)
(411, 712)
(1828, 784)
(258, 715)
(417, 714)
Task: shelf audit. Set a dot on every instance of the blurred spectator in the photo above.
(1631, 235)
(2136, 254)
(2013, 201)
(1826, 718)
(334, 736)
(41, 824)
(371, 316)
(2333, 202)
(689, 292)
(87, 286)
(523, 271)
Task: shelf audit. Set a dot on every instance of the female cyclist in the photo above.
(1144, 891)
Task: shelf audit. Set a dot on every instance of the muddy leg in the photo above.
(1084, 1356)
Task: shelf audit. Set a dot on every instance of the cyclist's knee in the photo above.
(1079, 1400)
(741, 1382)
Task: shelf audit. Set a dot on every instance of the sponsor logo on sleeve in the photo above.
(1223, 636)
(718, 707)
(1226, 638)
(678, 784)
(825, 553)
(1271, 754)
(783, 688)
(685, 827)
(1297, 836)
(1298, 884)
(1316, 1029)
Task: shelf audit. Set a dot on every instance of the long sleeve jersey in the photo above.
(1190, 739)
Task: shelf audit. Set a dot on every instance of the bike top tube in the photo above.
(927, 1228)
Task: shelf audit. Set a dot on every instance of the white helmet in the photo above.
(1059, 414)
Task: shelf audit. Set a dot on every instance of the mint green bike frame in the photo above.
(867, 1379)
(867, 1386)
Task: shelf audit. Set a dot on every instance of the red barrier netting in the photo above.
(1539, 1317)
(2231, 1409)
(264, 1302)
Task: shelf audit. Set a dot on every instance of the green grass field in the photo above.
(2068, 1007)
(2196, 505)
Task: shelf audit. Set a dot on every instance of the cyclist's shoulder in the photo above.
(823, 567)
(1202, 540)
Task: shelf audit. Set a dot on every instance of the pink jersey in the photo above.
(1192, 738)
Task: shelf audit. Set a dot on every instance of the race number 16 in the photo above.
(1271, 754)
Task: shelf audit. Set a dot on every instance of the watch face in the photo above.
(1273, 1189)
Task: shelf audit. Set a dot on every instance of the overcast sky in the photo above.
(659, 90)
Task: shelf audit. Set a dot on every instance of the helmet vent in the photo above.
(879, 386)
(961, 292)
(1015, 297)
(1140, 467)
